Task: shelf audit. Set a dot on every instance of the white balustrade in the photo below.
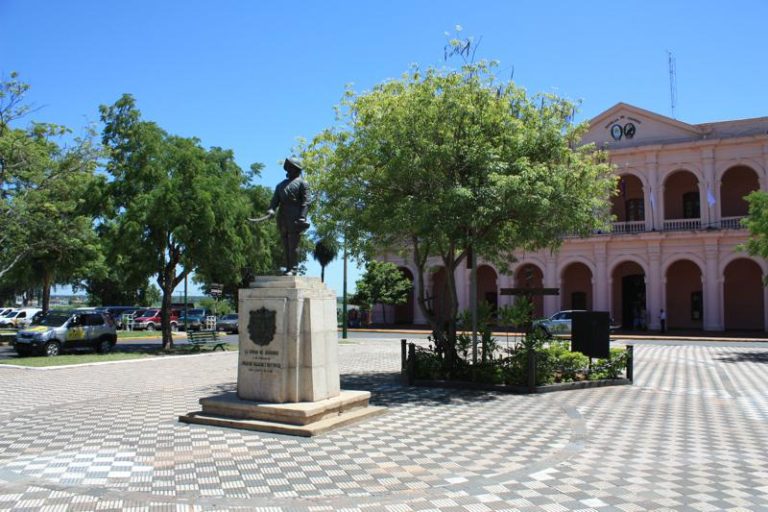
(682, 225)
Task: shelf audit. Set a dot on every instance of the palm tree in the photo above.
(325, 251)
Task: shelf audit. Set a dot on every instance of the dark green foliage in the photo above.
(325, 251)
(554, 360)
(382, 283)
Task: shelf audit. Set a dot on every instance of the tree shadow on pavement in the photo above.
(387, 390)
(745, 357)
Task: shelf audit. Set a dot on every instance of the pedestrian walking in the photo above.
(663, 320)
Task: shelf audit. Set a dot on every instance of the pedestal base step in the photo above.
(304, 419)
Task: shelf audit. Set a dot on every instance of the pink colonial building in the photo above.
(674, 245)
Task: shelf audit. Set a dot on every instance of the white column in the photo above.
(505, 281)
(601, 289)
(551, 280)
(461, 275)
(654, 287)
(710, 287)
(653, 214)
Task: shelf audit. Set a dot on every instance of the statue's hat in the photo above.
(291, 164)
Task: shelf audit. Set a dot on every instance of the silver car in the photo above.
(72, 330)
(559, 323)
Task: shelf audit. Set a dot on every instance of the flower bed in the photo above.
(531, 364)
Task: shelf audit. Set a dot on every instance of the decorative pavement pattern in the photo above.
(691, 434)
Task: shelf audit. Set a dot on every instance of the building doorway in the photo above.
(404, 312)
(629, 306)
(576, 287)
(743, 296)
(685, 300)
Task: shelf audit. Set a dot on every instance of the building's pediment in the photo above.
(625, 125)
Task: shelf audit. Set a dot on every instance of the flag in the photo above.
(710, 197)
(652, 200)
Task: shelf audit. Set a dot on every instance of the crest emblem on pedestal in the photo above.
(262, 325)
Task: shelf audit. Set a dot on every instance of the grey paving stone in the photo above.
(689, 435)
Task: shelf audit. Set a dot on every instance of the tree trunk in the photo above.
(166, 286)
(46, 299)
(322, 273)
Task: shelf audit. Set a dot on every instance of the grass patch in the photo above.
(117, 355)
(139, 334)
(64, 360)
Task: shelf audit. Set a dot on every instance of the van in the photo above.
(20, 318)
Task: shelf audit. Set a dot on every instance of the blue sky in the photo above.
(255, 76)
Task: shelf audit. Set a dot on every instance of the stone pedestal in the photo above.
(288, 341)
(288, 375)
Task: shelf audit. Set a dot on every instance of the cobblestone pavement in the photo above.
(691, 434)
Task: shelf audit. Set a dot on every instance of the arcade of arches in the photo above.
(737, 299)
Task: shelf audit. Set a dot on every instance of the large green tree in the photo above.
(757, 224)
(177, 207)
(440, 163)
(382, 283)
(48, 191)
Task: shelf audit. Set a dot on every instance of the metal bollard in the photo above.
(531, 371)
(411, 363)
(403, 357)
(630, 363)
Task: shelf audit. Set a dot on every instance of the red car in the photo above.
(150, 320)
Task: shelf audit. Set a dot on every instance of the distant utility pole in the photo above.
(672, 82)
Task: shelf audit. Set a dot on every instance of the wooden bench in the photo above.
(202, 338)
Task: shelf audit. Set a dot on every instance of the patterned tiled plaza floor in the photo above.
(691, 434)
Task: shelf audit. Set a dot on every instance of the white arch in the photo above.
(682, 256)
(491, 265)
(576, 259)
(668, 170)
(621, 258)
(530, 260)
(722, 167)
(637, 173)
(724, 262)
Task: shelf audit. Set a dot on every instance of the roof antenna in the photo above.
(672, 82)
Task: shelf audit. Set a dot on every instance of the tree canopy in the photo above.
(177, 207)
(48, 191)
(442, 162)
(757, 224)
(382, 283)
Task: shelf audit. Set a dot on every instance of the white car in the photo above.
(19, 318)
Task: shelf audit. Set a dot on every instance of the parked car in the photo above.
(60, 331)
(228, 323)
(559, 323)
(195, 319)
(117, 313)
(150, 320)
(19, 318)
(4, 311)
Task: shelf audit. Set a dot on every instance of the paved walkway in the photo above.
(691, 434)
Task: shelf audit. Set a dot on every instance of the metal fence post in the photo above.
(531, 371)
(411, 363)
(403, 357)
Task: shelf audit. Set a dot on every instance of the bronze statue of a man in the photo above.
(291, 200)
